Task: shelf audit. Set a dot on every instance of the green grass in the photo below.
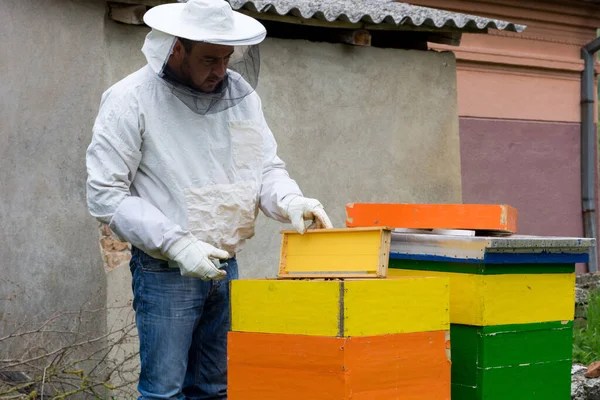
(586, 336)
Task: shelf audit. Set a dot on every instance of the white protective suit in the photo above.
(157, 171)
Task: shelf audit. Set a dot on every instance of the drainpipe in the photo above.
(588, 139)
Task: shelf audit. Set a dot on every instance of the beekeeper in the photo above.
(180, 162)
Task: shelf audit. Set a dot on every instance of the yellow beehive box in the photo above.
(483, 300)
(508, 280)
(361, 307)
(344, 253)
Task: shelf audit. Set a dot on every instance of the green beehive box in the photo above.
(517, 362)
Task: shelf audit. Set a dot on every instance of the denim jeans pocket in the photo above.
(232, 273)
(146, 263)
(155, 265)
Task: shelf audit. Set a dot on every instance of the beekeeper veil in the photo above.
(207, 21)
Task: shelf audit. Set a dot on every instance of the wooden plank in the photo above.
(359, 37)
(531, 382)
(270, 366)
(412, 366)
(340, 308)
(519, 344)
(378, 307)
(514, 299)
(127, 14)
(513, 249)
(291, 367)
(511, 345)
(535, 358)
(384, 252)
(326, 275)
(506, 299)
(464, 392)
(481, 268)
(466, 347)
(488, 217)
(276, 306)
(465, 304)
(335, 253)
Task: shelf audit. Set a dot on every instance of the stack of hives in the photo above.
(350, 337)
(511, 296)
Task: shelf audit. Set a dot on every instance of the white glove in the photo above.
(298, 209)
(194, 258)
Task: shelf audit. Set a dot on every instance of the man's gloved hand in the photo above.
(298, 209)
(194, 258)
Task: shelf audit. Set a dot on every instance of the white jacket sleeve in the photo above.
(112, 160)
(276, 182)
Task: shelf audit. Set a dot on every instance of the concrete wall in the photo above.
(52, 77)
(59, 56)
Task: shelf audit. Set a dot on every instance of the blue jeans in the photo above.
(182, 326)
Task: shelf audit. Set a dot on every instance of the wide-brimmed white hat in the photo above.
(211, 21)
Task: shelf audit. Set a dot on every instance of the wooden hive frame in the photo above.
(335, 253)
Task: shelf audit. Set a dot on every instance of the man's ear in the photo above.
(178, 51)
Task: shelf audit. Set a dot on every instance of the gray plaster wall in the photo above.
(52, 76)
(58, 58)
(353, 124)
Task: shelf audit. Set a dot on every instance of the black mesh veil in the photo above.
(240, 80)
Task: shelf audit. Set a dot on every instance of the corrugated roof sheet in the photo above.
(375, 12)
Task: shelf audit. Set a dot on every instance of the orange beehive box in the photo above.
(408, 366)
(486, 217)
